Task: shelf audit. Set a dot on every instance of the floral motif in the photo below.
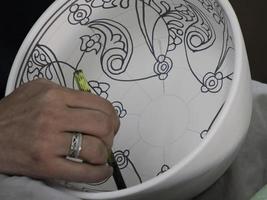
(90, 43)
(79, 14)
(100, 88)
(109, 3)
(119, 108)
(212, 82)
(163, 66)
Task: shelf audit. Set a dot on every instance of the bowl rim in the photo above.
(238, 70)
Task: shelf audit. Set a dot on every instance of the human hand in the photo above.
(37, 122)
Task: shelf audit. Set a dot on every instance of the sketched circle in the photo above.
(204, 134)
(212, 82)
(163, 66)
(79, 14)
(121, 158)
(113, 61)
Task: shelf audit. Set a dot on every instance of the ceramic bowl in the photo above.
(177, 73)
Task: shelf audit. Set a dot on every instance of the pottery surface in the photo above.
(167, 66)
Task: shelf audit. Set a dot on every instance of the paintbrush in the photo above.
(84, 86)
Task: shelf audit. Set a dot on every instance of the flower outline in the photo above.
(79, 14)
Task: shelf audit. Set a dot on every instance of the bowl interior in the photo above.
(166, 66)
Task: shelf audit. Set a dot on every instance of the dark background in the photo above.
(17, 20)
(253, 19)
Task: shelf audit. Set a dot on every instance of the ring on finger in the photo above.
(75, 147)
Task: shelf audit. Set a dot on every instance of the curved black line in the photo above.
(80, 60)
(229, 76)
(141, 24)
(132, 80)
(45, 50)
(135, 170)
(188, 62)
(153, 30)
(200, 14)
(55, 57)
(216, 116)
(65, 63)
(225, 47)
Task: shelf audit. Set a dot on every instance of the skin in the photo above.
(37, 122)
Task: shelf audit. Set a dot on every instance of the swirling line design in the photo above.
(43, 63)
(119, 47)
(200, 35)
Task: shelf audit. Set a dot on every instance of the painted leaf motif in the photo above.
(116, 44)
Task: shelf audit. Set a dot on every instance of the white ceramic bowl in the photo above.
(175, 70)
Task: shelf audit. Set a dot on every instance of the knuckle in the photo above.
(42, 137)
(40, 151)
(106, 126)
(109, 108)
(50, 94)
(109, 104)
(40, 81)
(44, 119)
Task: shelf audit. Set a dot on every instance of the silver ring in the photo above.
(75, 146)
